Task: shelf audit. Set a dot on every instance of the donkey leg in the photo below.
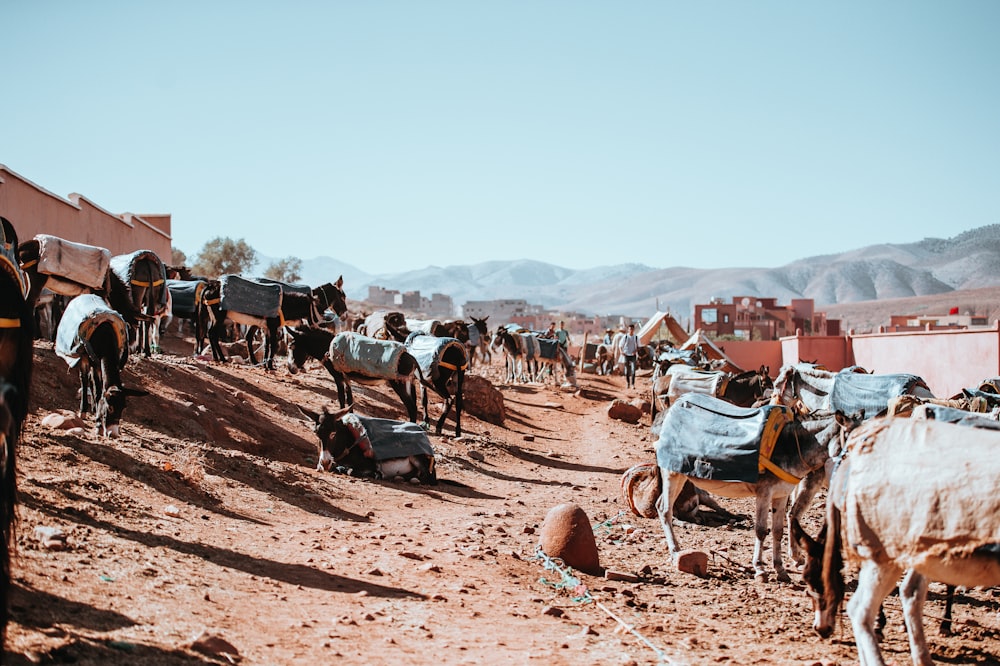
(778, 507)
(913, 594)
(762, 509)
(672, 486)
(803, 494)
(874, 584)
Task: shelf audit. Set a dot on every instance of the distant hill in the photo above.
(931, 266)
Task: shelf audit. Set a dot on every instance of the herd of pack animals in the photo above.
(807, 429)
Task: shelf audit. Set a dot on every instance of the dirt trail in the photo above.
(288, 565)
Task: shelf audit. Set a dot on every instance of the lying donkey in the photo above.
(372, 448)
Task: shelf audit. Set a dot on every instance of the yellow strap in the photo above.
(451, 366)
(29, 264)
(212, 301)
(778, 472)
(723, 385)
(155, 283)
(10, 323)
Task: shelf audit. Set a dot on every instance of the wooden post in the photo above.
(583, 350)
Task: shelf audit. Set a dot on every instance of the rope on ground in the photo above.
(570, 582)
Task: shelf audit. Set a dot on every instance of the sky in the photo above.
(395, 135)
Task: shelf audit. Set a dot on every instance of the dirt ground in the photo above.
(207, 520)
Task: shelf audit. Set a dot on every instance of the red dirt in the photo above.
(293, 566)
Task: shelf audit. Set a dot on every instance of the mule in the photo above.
(138, 290)
(519, 365)
(93, 338)
(345, 443)
(742, 389)
(219, 316)
(902, 510)
(443, 362)
(770, 479)
(186, 305)
(330, 296)
(392, 364)
(16, 365)
(809, 387)
(479, 342)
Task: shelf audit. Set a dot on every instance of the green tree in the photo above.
(223, 256)
(288, 269)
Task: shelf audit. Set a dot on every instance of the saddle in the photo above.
(685, 379)
(82, 317)
(249, 296)
(74, 266)
(353, 353)
(854, 391)
(124, 266)
(429, 350)
(708, 438)
(185, 296)
(389, 439)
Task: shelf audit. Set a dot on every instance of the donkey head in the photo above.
(111, 406)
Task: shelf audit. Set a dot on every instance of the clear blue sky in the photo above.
(395, 135)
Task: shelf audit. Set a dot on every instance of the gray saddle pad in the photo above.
(249, 297)
(124, 266)
(396, 439)
(82, 316)
(854, 391)
(76, 262)
(429, 350)
(708, 438)
(359, 354)
(547, 348)
(185, 296)
(287, 287)
(957, 416)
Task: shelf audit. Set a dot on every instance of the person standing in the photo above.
(630, 350)
(563, 336)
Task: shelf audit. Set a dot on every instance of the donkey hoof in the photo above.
(783, 577)
(760, 576)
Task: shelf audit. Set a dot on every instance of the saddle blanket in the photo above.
(685, 379)
(429, 350)
(185, 295)
(81, 318)
(854, 391)
(124, 266)
(391, 439)
(528, 346)
(547, 348)
(377, 319)
(287, 287)
(708, 438)
(249, 297)
(425, 326)
(947, 414)
(359, 354)
(474, 336)
(914, 487)
(76, 262)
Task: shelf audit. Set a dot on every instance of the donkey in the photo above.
(344, 443)
(331, 296)
(743, 389)
(218, 317)
(16, 365)
(443, 363)
(138, 290)
(93, 338)
(518, 364)
(390, 362)
(796, 451)
(479, 342)
(899, 515)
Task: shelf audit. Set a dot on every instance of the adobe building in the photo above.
(756, 318)
(34, 210)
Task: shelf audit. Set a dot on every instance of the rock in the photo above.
(566, 534)
(643, 405)
(624, 411)
(481, 399)
(208, 644)
(64, 420)
(51, 538)
(476, 455)
(692, 562)
(554, 611)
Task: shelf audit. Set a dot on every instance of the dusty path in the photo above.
(291, 566)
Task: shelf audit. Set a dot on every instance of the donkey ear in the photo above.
(801, 537)
(309, 414)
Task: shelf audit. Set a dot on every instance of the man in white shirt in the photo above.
(630, 350)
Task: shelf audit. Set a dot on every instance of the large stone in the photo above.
(567, 535)
(481, 399)
(692, 562)
(624, 411)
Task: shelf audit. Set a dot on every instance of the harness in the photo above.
(140, 283)
(777, 419)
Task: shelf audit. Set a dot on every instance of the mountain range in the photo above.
(969, 260)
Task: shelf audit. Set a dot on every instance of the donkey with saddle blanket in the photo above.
(372, 447)
(93, 337)
(734, 451)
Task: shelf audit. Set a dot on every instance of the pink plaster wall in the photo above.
(34, 210)
(947, 360)
(751, 354)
